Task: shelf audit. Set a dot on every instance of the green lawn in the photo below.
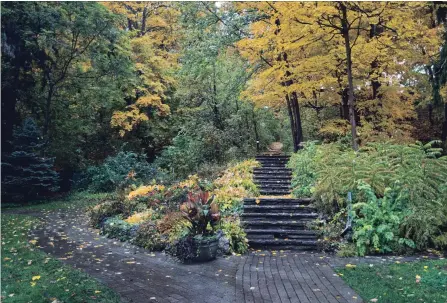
(30, 275)
(74, 200)
(421, 281)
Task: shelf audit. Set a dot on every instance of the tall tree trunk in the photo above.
(351, 101)
(49, 99)
(292, 99)
(297, 120)
(292, 123)
(255, 127)
(344, 104)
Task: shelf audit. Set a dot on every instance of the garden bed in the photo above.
(150, 216)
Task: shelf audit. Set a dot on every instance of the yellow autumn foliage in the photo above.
(144, 190)
(139, 217)
(235, 184)
(387, 40)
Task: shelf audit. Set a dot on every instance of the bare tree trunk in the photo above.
(297, 120)
(292, 123)
(351, 101)
(48, 110)
(255, 127)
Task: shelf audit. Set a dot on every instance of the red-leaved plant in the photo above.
(200, 210)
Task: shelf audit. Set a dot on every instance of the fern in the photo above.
(417, 173)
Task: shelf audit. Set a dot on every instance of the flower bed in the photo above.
(158, 217)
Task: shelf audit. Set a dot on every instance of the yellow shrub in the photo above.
(192, 181)
(139, 217)
(235, 184)
(144, 190)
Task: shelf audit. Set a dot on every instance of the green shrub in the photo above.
(347, 250)
(405, 184)
(235, 234)
(149, 237)
(99, 213)
(304, 170)
(120, 171)
(117, 228)
(377, 220)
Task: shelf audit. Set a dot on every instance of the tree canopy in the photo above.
(195, 85)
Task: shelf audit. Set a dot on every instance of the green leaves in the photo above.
(399, 192)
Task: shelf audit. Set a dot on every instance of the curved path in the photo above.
(141, 276)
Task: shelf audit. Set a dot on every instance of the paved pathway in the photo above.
(141, 276)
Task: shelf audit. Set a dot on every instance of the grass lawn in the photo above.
(422, 281)
(30, 275)
(74, 200)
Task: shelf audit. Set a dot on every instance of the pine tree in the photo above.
(26, 174)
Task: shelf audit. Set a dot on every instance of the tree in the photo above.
(363, 52)
(154, 36)
(267, 47)
(26, 174)
(76, 70)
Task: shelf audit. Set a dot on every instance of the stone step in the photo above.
(273, 169)
(278, 231)
(274, 186)
(274, 192)
(282, 242)
(277, 201)
(281, 165)
(261, 208)
(279, 160)
(256, 216)
(285, 224)
(279, 215)
(282, 161)
(274, 236)
(266, 157)
(272, 177)
(265, 182)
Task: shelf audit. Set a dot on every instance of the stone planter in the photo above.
(206, 248)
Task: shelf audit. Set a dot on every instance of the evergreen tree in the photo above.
(26, 174)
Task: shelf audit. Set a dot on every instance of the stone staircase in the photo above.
(273, 221)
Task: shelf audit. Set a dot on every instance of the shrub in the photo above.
(117, 228)
(171, 222)
(99, 213)
(183, 249)
(120, 171)
(377, 220)
(304, 170)
(347, 250)
(235, 234)
(235, 184)
(405, 184)
(140, 217)
(149, 236)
